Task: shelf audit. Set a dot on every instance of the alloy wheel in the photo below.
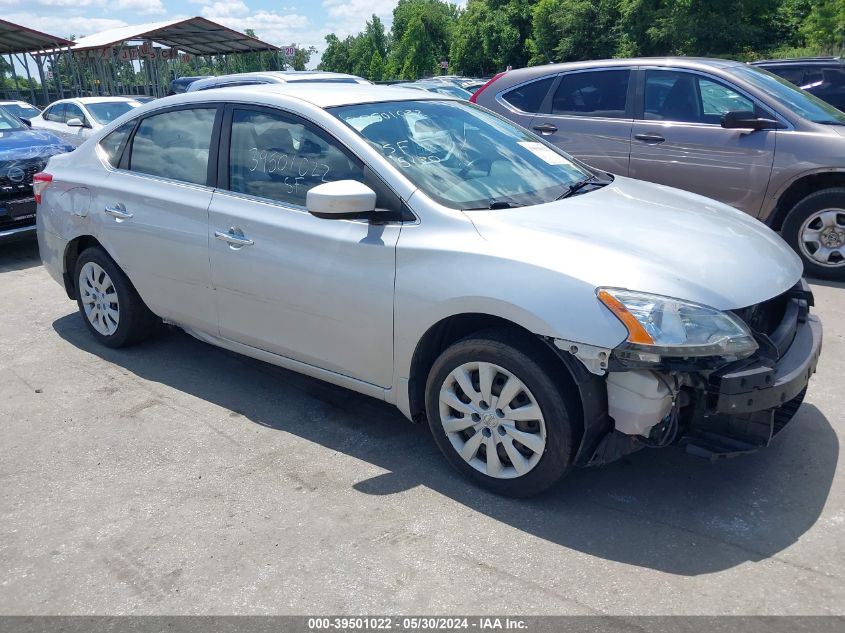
(822, 238)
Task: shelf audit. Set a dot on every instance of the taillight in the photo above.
(474, 97)
(39, 184)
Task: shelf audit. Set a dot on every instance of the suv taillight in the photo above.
(474, 96)
(40, 181)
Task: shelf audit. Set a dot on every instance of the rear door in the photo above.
(524, 101)
(678, 139)
(589, 114)
(319, 291)
(153, 210)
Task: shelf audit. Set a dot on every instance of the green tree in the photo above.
(824, 26)
(420, 36)
(567, 30)
(302, 56)
(491, 35)
(376, 70)
(336, 57)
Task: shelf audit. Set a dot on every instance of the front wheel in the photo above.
(501, 413)
(815, 228)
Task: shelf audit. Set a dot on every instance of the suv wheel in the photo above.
(111, 308)
(815, 228)
(500, 415)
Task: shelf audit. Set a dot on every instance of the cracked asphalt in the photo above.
(177, 478)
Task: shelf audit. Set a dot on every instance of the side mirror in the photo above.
(340, 199)
(747, 120)
(75, 122)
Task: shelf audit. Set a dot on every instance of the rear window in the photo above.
(529, 97)
(114, 143)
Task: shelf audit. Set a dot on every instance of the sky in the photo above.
(287, 22)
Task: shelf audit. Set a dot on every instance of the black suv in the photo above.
(822, 76)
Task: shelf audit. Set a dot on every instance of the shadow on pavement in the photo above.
(659, 509)
(19, 254)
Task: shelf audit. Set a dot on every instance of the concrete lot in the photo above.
(178, 478)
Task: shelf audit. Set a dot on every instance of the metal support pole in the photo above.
(15, 91)
(39, 61)
(25, 64)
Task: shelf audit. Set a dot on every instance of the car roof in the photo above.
(322, 95)
(276, 76)
(87, 100)
(680, 62)
(797, 61)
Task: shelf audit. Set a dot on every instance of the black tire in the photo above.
(135, 322)
(527, 359)
(833, 198)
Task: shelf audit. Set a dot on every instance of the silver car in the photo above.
(539, 314)
(723, 129)
(274, 77)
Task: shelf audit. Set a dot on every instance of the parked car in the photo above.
(539, 313)
(275, 77)
(74, 120)
(142, 98)
(21, 109)
(440, 87)
(723, 129)
(23, 152)
(821, 76)
(180, 84)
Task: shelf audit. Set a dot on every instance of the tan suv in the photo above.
(720, 128)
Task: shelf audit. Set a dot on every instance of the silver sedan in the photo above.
(538, 313)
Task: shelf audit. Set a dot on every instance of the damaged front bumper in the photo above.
(729, 409)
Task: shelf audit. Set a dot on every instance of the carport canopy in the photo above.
(15, 39)
(197, 35)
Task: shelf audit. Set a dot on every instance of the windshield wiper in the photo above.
(575, 187)
(496, 204)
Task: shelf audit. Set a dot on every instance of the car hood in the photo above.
(636, 235)
(16, 145)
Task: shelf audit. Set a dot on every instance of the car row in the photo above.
(723, 129)
(538, 312)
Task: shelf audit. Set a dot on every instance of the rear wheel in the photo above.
(111, 308)
(815, 228)
(501, 414)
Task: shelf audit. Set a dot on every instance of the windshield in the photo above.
(799, 101)
(462, 156)
(455, 91)
(9, 121)
(107, 111)
(22, 111)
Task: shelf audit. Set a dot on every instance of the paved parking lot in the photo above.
(174, 477)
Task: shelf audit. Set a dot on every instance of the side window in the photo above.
(689, 98)
(280, 157)
(529, 97)
(717, 98)
(114, 143)
(174, 145)
(73, 111)
(599, 93)
(56, 113)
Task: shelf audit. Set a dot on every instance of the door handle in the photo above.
(234, 237)
(649, 138)
(118, 212)
(545, 128)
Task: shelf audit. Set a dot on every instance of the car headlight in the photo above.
(664, 326)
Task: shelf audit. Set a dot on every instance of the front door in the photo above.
(678, 140)
(588, 115)
(319, 291)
